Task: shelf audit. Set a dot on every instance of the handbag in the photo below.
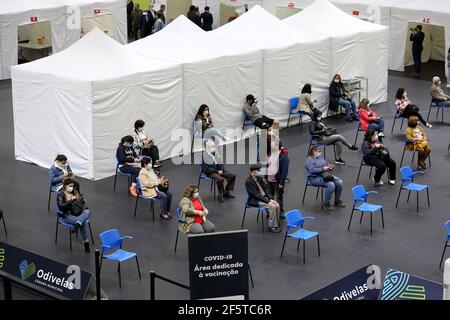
(327, 176)
(78, 206)
(384, 153)
(330, 131)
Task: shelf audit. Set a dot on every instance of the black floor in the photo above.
(411, 241)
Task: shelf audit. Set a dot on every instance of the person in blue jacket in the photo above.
(316, 167)
(59, 171)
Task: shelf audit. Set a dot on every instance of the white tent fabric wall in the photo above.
(88, 97)
(358, 48)
(215, 72)
(16, 13)
(291, 58)
(432, 12)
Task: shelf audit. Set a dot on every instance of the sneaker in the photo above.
(353, 148)
(275, 230)
(133, 191)
(220, 198)
(429, 125)
(339, 204)
(228, 195)
(326, 205)
(165, 216)
(391, 182)
(379, 183)
(340, 161)
(381, 134)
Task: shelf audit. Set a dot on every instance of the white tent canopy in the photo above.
(292, 58)
(88, 97)
(358, 48)
(215, 72)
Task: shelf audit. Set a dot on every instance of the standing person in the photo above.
(368, 119)
(319, 175)
(136, 21)
(306, 103)
(376, 155)
(128, 160)
(259, 196)
(448, 67)
(159, 23)
(406, 108)
(73, 206)
(341, 97)
(61, 170)
(438, 95)
(278, 171)
(212, 166)
(417, 37)
(147, 22)
(418, 141)
(328, 135)
(207, 19)
(145, 145)
(254, 115)
(161, 10)
(130, 7)
(194, 15)
(194, 213)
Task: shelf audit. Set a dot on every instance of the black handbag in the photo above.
(78, 206)
(327, 176)
(330, 131)
(384, 153)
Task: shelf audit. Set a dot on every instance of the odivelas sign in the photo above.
(60, 279)
(218, 265)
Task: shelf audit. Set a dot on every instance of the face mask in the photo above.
(318, 154)
(405, 95)
(141, 129)
(336, 81)
(196, 195)
(375, 138)
(319, 118)
(259, 174)
(69, 189)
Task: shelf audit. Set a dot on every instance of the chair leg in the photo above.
(90, 231)
(304, 251)
(317, 193)
(284, 243)
(356, 137)
(198, 182)
(120, 276)
(362, 214)
(56, 233)
(429, 111)
(370, 172)
(429, 160)
(262, 220)
(443, 253)
(304, 193)
(70, 236)
(359, 172)
(4, 225)
(49, 198)
(289, 119)
(139, 269)
(409, 194)
(243, 217)
(428, 196)
(251, 276)
(152, 209)
(401, 125)
(351, 217)
(417, 202)
(398, 197)
(115, 179)
(135, 206)
(192, 143)
(318, 245)
(298, 244)
(371, 218)
(393, 124)
(176, 241)
(413, 157)
(382, 218)
(403, 155)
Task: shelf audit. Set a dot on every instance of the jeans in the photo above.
(165, 201)
(134, 171)
(330, 187)
(417, 56)
(444, 104)
(82, 219)
(338, 141)
(348, 106)
(381, 166)
(205, 227)
(377, 126)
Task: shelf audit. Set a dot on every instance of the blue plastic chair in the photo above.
(314, 141)
(2, 217)
(408, 184)
(314, 186)
(360, 203)
(397, 116)
(247, 123)
(120, 173)
(203, 176)
(51, 190)
(435, 104)
(69, 226)
(260, 210)
(295, 220)
(111, 239)
(293, 103)
(140, 196)
(363, 164)
(414, 154)
(447, 242)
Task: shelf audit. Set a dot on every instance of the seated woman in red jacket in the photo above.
(368, 119)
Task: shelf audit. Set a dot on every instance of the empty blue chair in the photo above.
(397, 116)
(439, 107)
(203, 176)
(295, 220)
(51, 190)
(447, 242)
(2, 217)
(111, 239)
(120, 173)
(247, 123)
(414, 154)
(140, 196)
(260, 210)
(360, 203)
(408, 184)
(293, 103)
(69, 226)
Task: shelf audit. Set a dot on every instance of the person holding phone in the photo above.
(59, 171)
(368, 119)
(194, 213)
(145, 145)
(339, 96)
(255, 116)
(319, 173)
(128, 161)
(418, 141)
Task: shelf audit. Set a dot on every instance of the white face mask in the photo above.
(375, 138)
(259, 174)
(405, 95)
(336, 80)
(196, 195)
(318, 154)
(69, 189)
(319, 118)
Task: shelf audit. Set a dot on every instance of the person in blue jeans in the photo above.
(71, 203)
(341, 97)
(316, 166)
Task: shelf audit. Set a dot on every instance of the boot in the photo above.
(87, 249)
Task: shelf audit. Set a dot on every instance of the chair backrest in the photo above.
(293, 103)
(447, 225)
(59, 214)
(138, 185)
(179, 214)
(294, 219)
(111, 238)
(359, 192)
(407, 174)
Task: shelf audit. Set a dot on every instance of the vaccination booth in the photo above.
(87, 98)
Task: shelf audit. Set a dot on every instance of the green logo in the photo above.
(2, 257)
(26, 270)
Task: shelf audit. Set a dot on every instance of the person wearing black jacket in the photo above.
(71, 203)
(127, 159)
(130, 7)
(207, 19)
(341, 97)
(213, 167)
(194, 15)
(147, 22)
(417, 37)
(259, 196)
(278, 171)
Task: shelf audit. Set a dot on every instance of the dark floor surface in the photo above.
(411, 241)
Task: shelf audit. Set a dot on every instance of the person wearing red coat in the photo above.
(368, 119)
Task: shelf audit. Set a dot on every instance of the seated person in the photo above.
(151, 185)
(373, 155)
(341, 97)
(72, 204)
(213, 167)
(418, 141)
(438, 95)
(278, 170)
(406, 108)
(319, 175)
(259, 196)
(59, 171)
(328, 135)
(203, 120)
(144, 145)
(194, 213)
(254, 115)
(306, 103)
(368, 119)
(128, 161)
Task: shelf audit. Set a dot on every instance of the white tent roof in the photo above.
(14, 7)
(183, 41)
(324, 18)
(257, 27)
(377, 3)
(95, 57)
(439, 6)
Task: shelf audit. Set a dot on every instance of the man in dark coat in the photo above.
(147, 22)
(207, 19)
(417, 37)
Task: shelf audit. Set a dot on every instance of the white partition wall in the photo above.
(86, 98)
